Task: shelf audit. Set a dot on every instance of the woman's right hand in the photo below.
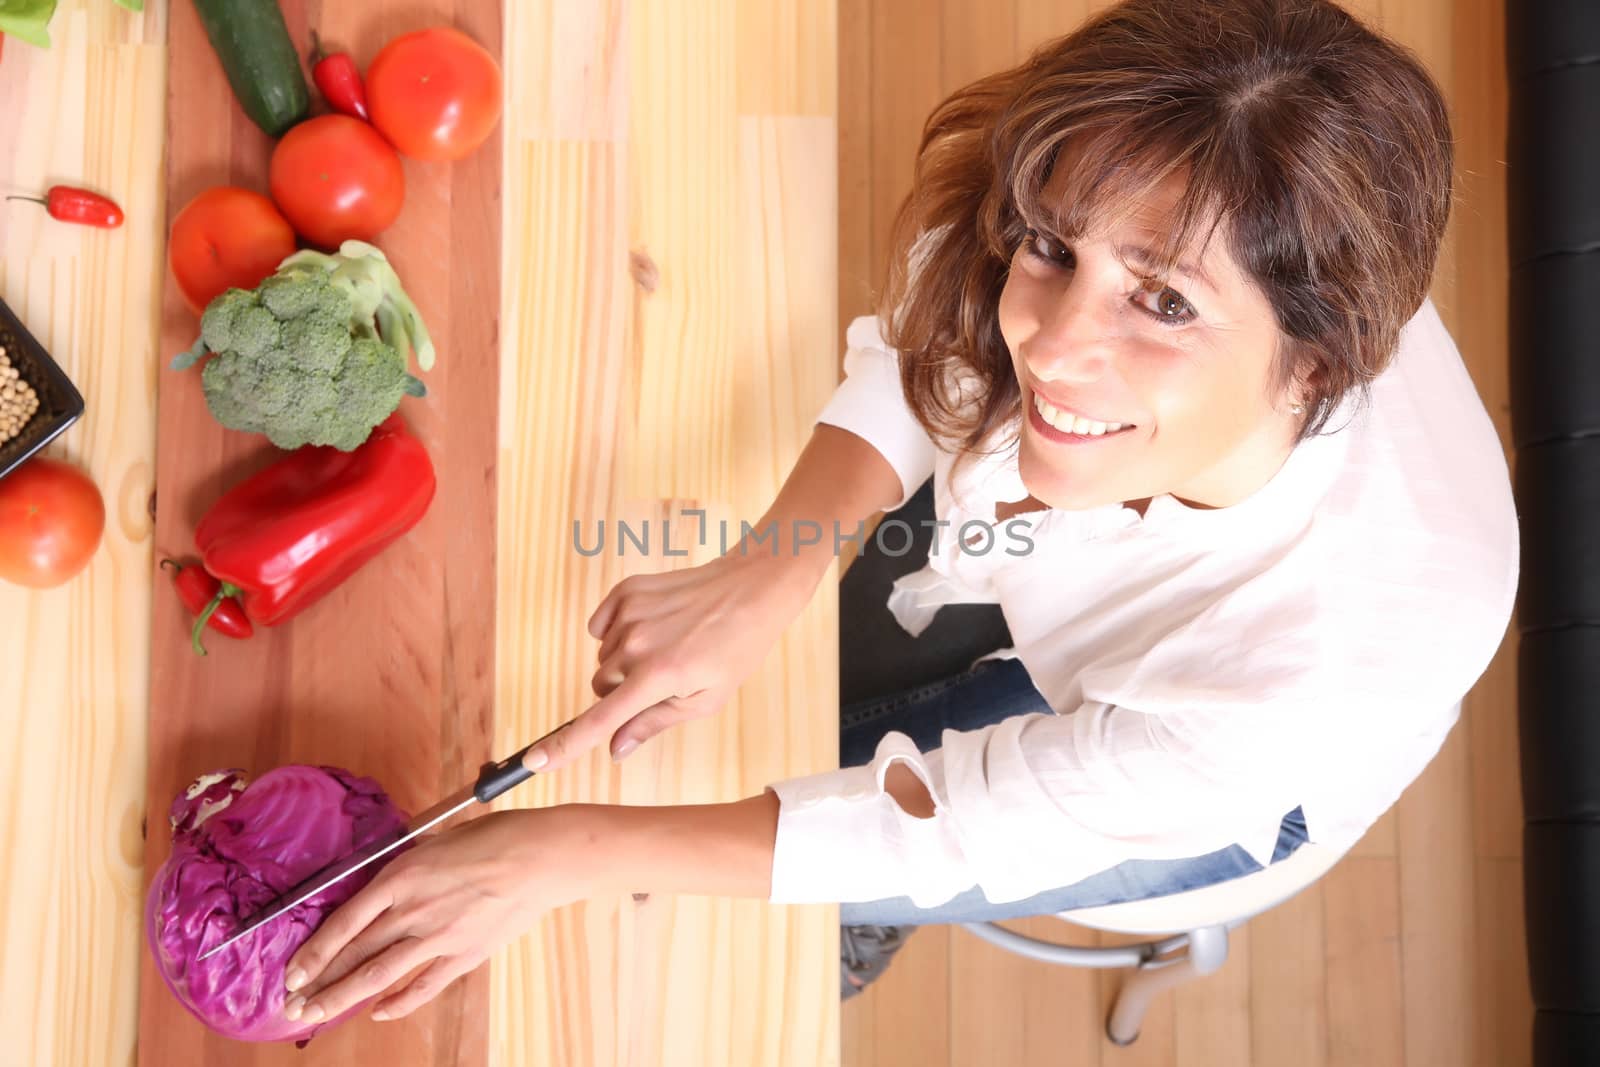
(675, 646)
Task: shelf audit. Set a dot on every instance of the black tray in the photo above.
(60, 403)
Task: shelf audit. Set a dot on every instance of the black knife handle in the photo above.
(496, 778)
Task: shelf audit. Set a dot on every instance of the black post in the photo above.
(1553, 155)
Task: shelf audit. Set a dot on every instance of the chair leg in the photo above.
(1207, 951)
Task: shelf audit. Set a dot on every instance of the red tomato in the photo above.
(51, 519)
(336, 179)
(226, 237)
(434, 93)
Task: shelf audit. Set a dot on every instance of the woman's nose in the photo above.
(1073, 342)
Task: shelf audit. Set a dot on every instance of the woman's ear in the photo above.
(1307, 388)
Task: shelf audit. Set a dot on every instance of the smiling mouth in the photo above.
(1076, 425)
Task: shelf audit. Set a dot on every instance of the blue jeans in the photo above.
(986, 693)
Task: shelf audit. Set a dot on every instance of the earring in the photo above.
(1297, 409)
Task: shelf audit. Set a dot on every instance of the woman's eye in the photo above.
(1170, 308)
(1043, 248)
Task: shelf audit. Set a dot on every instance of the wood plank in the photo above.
(1502, 1000)
(856, 263)
(1012, 1009)
(858, 1032)
(975, 40)
(1382, 839)
(682, 238)
(1039, 21)
(682, 177)
(1289, 983)
(1365, 988)
(392, 674)
(1437, 907)
(910, 1005)
(88, 111)
(1213, 1013)
(565, 200)
(1495, 783)
(905, 40)
(990, 1021)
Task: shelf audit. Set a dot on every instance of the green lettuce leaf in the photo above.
(27, 19)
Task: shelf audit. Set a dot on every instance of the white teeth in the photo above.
(1074, 424)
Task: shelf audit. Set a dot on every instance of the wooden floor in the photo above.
(1410, 952)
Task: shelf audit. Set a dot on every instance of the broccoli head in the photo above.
(317, 354)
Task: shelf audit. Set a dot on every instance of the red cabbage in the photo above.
(235, 849)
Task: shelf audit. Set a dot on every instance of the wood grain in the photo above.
(670, 299)
(1213, 1016)
(392, 674)
(1366, 988)
(1288, 983)
(88, 111)
(1013, 1011)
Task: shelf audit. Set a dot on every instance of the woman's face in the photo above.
(1131, 389)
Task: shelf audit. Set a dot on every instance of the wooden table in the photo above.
(667, 326)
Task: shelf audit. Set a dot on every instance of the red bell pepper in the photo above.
(287, 536)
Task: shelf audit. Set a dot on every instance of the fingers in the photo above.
(613, 639)
(606, 679)
(371, 978)
(337, 931)
(600, 621)
(625, 650)
(384, 931)
(637, 692)
(633, 591)
(429, 983)
(626, 630)
(645, 725)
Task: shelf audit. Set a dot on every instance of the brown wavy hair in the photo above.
(1323, 146)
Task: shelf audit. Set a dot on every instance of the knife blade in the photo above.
(493, 779)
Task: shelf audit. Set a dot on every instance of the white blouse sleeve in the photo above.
(1033, 803)
(870, 404)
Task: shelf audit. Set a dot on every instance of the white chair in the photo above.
(1204, 916)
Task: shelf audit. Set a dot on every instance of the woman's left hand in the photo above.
(443, 906)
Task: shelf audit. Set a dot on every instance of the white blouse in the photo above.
(1208, 670)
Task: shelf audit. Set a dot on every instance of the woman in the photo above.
(1158, 329)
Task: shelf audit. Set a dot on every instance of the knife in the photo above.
(493, 779)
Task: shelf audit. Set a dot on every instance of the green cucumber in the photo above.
(260, 61)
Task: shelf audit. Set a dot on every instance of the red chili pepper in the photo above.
(211, 602)
(339, 80)
(79, 205)
(292, 533)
